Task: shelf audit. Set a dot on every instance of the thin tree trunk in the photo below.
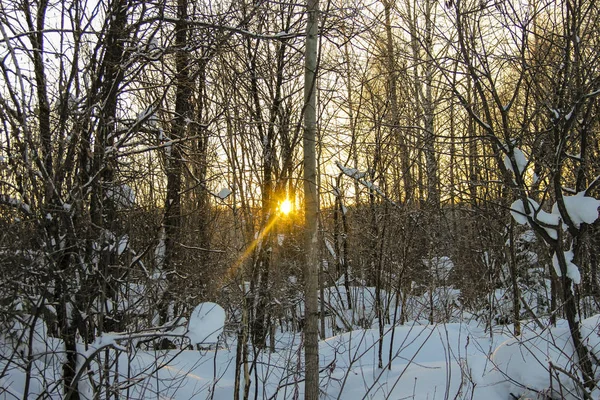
(394, 117)
(427, 108)
(512, 262)
(568, 296)
(311, 198)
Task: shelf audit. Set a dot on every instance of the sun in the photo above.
(285, 207)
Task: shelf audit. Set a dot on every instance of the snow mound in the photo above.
(535, 364)
(206, 323)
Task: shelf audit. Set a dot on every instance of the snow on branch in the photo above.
(360, 178)
(582, 209)
(223, 193)
(572, 269)
(593, 185)
(15, 203)
(520, 160)
(522, 215)
(351, 172)
(279, 36)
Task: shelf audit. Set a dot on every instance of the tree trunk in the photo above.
(174, 161)
(428, 108)
(568, 296)
(516, 293)
(394, 117)
(311, 198)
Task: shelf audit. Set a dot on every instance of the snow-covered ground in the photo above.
(444, 361)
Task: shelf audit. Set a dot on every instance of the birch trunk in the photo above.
(311, 332)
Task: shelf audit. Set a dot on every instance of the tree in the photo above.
(504, 97)
(174, 158)
(311, 205)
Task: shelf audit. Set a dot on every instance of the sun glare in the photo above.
(285, 207)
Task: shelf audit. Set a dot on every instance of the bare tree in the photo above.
(570, 90)
(311, 199)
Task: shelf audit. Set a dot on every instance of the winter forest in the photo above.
(341, 199)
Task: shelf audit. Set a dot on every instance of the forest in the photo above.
(269, 199)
